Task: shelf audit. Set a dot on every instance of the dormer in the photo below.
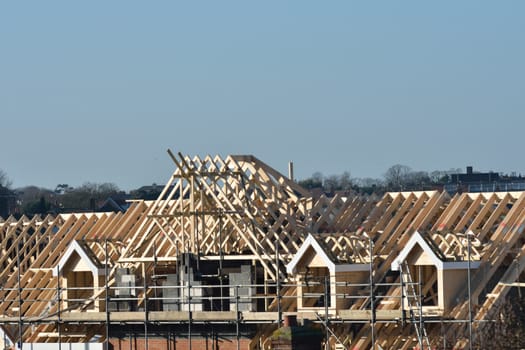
(421, 260)
(314, 267)
(82, 275)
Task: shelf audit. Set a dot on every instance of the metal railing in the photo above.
(206, 296)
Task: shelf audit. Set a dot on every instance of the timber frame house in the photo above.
(231, 243)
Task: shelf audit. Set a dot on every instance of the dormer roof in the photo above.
(86, 255)
(329, 260)
(433, 252)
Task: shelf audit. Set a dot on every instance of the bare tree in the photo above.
(331, 183)
(437, 176)
(368, 182)
(345, 181)
(397, 176)
(418, 179)
(4, 180)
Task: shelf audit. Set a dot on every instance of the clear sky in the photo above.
(98, 90)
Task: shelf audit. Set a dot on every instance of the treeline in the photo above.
(90, 196)
(396, 178)
(32, 200)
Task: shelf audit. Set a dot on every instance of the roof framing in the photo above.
(240, 207)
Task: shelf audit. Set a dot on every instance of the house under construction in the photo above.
(232, 247)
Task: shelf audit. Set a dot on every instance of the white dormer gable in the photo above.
(310, 243)
(85, 263)
(321, 256)
(418, 240)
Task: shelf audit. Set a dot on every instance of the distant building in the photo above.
(117, 203)
(474, 177)
(150, 192)
(472, 181)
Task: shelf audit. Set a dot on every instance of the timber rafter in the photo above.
(239, 206)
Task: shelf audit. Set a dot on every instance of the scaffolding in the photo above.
(178, 260)
(152, 305)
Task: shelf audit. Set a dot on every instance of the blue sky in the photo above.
(97, 91)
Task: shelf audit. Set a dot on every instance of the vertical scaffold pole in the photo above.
(107, 293)
(326, 298)
(278, 285)
(59, 330)
(189, 300)
(469, 235)
(237, 316)
(220, 259)
(19, 276)
(443, 334)
(146, 340)
(421, 330)
(402, 301)
(372, 306)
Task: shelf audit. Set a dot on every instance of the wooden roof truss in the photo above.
(241, 207)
